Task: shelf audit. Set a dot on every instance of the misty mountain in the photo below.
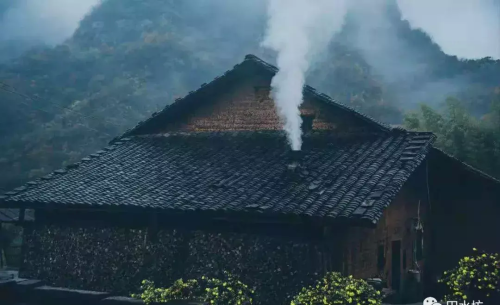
(412, 66)
(130, 58)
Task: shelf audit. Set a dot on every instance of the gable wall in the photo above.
(361, 251)
(247, 106)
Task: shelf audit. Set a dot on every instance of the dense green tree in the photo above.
(473, 140)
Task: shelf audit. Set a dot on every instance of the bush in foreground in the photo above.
(337, 289)
(477, 277)
(226, 291)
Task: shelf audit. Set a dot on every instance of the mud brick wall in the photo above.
(117, 260)
(362, 246)
(247, 106)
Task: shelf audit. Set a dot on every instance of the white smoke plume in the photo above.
(298, 30)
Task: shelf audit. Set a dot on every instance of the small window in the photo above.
(307, 122)
(380, 258)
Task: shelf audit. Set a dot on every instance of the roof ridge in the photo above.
(466, 165)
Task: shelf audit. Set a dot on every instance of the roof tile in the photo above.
(339, 177)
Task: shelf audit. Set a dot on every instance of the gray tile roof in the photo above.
(340, 178)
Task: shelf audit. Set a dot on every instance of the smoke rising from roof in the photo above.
(298, 31)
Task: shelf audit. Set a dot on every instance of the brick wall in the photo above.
(247, 106)
(362, 243)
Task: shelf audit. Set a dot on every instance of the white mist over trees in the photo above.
(466, 29)
(298, 30)
(47, 21)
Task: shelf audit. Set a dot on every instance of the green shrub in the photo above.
(337, 289)
(476, 277)
(226, 291)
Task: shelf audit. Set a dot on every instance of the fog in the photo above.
(408, 60)
(48, 21)
(467, 29)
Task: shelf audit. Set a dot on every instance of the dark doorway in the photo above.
(396, 264)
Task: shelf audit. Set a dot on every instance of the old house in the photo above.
(210, 184)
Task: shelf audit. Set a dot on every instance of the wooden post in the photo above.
(22, 213)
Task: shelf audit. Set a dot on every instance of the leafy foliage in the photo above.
(472, 140)
(226, 291)
(337, 289)
(477, 277)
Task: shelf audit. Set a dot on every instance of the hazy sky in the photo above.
(48, 21)
(465, 28)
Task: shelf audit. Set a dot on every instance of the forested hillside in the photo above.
(474, 140)
(130, 58)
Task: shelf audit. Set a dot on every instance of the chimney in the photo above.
(307, 122)
(294, 159)
(295, 156)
